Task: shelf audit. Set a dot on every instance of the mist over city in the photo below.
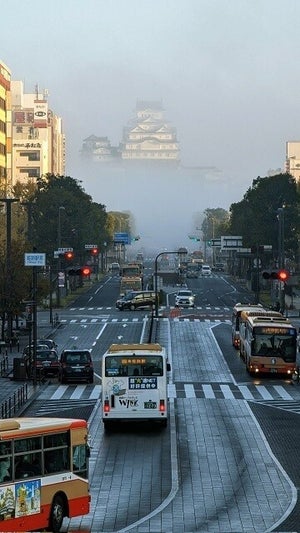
(223, 71)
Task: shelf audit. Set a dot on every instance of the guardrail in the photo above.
(12, 404)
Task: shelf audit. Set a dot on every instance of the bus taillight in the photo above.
(162, 406)
(106, 406)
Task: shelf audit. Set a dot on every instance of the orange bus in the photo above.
(43, 472)
(235, 320)
(268, 344)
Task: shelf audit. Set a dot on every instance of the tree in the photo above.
(256, 216)
(82, 221)
(214, 222)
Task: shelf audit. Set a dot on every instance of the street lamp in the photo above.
(281, 258)
(60, 209)
(281, 253)
(155, 277)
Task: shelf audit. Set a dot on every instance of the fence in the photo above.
(12, 404)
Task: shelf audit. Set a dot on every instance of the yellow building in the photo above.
(292, 159)
(5, 128)
(38, 145)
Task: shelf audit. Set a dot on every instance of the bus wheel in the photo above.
(56, 514)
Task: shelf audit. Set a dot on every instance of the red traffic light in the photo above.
(86, 271)
(69, 256)
(281, 275)
(94, 251)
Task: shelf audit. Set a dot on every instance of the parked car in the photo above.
(219, 267)
(136, 299)
(39, 347)
(48, 342)
(185, 298)
(45, 362)
(205, 270)
(76, 365)
(192, 274)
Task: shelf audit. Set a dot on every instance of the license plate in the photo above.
(150, 405)
(273, 370)
(46, 363)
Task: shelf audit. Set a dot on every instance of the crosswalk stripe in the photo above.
(79, 390)
(208, 391)
(247, 395)
(171, 390)
(60, 391)
(264, 392)
(189, 390)
(282, 392)
(228, 394)
(96, 393)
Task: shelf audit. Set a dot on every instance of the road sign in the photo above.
(63, 250)
(34, 259)
(122, 238)
(90, 246)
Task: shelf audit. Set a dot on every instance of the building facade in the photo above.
(5, 128)
(292, 159)
(38, 143)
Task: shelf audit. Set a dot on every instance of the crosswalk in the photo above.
(226, 391)
(110, 308)
(101, 320)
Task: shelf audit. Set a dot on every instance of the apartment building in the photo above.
(38, 143)
(292, 159)
(5, 128)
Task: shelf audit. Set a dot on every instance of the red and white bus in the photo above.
(134, 384)
(235, 320)
(268, 344)
(43, 472)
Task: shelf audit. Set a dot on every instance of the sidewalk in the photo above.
(14, 393)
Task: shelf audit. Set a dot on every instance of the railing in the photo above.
(4, 365)
(12, 405)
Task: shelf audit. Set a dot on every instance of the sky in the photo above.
(226, 72)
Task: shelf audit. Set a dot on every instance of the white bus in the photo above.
(134, 384)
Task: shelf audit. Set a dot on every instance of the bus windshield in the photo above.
(280, 344)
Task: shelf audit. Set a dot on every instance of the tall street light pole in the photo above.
(8, 202)
(60, 209)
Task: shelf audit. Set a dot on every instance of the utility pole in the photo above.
(8, 303)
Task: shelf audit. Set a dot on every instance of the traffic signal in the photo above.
(86, 271)
(94, 251)
(80, 271)
(69, 256)
(281, 275)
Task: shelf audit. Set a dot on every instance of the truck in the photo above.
(130, 283)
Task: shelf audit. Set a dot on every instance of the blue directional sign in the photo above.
(122, 238)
